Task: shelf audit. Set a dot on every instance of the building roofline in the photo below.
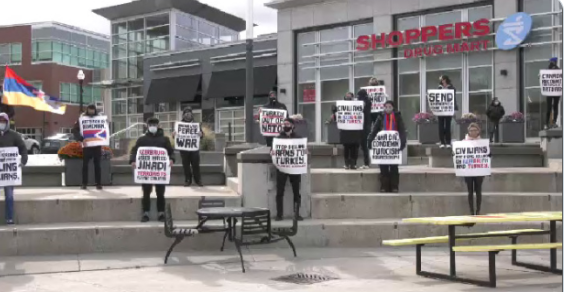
(55, 23)
(283, 4)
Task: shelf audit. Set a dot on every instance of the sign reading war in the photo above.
(271, 121)
(471, 157)
(187, 136)
(152, 166)
(441, 102)
(386, 148)
(95, 131)
(551, 82)
(290, 155)
(10, 167)
(350, 114)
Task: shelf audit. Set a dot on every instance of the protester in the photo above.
(94, 152)
(474, 183)
(494, 113)
(349, 138)
(154, 137)
(444, 122)
(10, 138)
(295, 179)
(373, 116)
(552, 102)
(390, 120)
(190, 159)
(363, 95)
(273, 103)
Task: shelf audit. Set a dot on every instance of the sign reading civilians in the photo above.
(471, 157)
(350, 114)
(551, 82)
(377, 95)
(10, 167)
(271, 121)
(94, 131)
(386, 148)
(441, 102)
(152, 166)
(290, 155)
(187, 136)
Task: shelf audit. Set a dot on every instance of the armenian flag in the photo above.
(18, 92)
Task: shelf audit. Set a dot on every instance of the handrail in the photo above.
(126, 129)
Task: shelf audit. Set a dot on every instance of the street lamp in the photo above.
(80, 77)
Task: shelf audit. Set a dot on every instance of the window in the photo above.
(32, 133)
(70, 93)
(37, 84)
(10, 54)
(68, 54)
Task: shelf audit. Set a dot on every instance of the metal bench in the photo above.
(173, 232)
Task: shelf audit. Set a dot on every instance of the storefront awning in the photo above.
(232, 82)
(173, 89)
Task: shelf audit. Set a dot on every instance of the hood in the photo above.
(7, 118)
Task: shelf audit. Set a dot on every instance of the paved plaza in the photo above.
(381, 269)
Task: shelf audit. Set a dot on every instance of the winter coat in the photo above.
(495, 112)
(367, 111)
(152, 140)
(11, 138)
(183, 153)
(450, 86)
(379, 126)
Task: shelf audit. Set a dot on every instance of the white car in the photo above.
(32, 145)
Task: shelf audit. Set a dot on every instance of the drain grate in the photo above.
(304, 279)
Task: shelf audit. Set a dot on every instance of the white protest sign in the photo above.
(551, 82)
(95, 131)
(271, 121)
(10, 167)
(187, 136)
(350, 114)
(378, 97)
(290, 155)
(471, 157)
(152, 166)
(441, 102)
(386, 148)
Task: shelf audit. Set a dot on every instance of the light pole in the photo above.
(249, 88)
(80, 77)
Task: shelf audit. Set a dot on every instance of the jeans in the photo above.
(9, 202)
(94, 153)
(295, 180)
(191, 165)
(146, 201)
(444, 130)
(552, 106)
(351, 154)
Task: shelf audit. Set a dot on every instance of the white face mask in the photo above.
(3, 126)
(153, 129)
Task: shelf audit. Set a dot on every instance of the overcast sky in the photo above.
(79, 12)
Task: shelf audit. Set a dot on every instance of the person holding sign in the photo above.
(445, 121)
(9, 178)
(349, 138)
(363, 95)
(553, 102)
(281, 177)
(390, 123)
(187, 137)
(90, 152)
(273, 103)
(154, 137)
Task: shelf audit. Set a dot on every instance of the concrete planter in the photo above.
(512, 132)
(428, 133)
(73, 172)
(333, 133)
(257, 136)
(301, 128)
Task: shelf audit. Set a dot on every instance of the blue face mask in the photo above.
(153, 129)
(3, 126)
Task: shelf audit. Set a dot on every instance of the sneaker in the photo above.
(300, 218)
(99, 187)
(199, 183)
(382, 190)
(364, 167)
(395, 191)
(145, 218)
(161, 217)
(9, 222)
(83, 187)
(353, 167)
(448, 146)
(278, 218)
(346, 167)
(188, 183)
(442, 146)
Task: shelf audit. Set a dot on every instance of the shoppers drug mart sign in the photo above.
(513, 31)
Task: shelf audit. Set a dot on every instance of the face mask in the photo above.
(90, 113)
(272, 99)
(389, 110)
(287, 129)
(188, 117)
(3, 126)
(153, 129)
(496, 102)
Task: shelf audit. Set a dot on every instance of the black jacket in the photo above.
(495, 112)
(349, 136)
(450, 86)
(378, 125)
(275, 105)
(152, 140)
(12, 138)
(292, 135)
(367, 111)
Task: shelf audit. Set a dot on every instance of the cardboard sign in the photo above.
(441, 102)
(290, 155)
(95, 131)
(471, 157)
(187, 136)
(152, 166)
(386, 148)
(551, 82)
(350, 114)
(378, 97)
(271, 121)
(10, 167)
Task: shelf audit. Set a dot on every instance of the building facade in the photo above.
(49, 56)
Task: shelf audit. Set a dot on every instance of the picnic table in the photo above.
(467, 221)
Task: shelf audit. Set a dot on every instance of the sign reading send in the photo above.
(441, 102)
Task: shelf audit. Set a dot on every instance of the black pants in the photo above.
(269, 141)
(474, 185)
(552, 106)
(374, 116)
(191, 165)
(94, 153)
(364, 147)
(444, 130)
(389, 178)
(494, 131)
(351, 154)
(295, 180)
(146, 202)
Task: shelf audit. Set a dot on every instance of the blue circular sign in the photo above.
(513, 31)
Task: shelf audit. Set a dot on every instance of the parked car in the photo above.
(52, 144)
(32, 145)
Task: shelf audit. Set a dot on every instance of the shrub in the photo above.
(73, 150)
(468, 118)
(424, 118)
(515, 117)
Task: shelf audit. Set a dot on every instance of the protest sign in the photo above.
(95, 131)
(10, 167)
(441, 102)
(350, 114)
(152, 166)
(187, 136)
(386, 148)
(471, 157)
(290, 155)
(551, 82)
(378, 97)
(271, 121)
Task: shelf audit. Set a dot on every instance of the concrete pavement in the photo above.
(382, 269)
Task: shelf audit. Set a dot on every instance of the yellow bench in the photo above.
(475, 248)
(444, 239)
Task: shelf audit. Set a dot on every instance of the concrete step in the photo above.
(80, 238)
(427, 179)
(67, 205)
(233, 184)
(406, 205)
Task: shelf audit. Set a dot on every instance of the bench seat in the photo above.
(444, 239)
(477, 248)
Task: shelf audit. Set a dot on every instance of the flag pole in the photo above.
(249, 86)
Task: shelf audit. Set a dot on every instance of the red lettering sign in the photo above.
(309, 94)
